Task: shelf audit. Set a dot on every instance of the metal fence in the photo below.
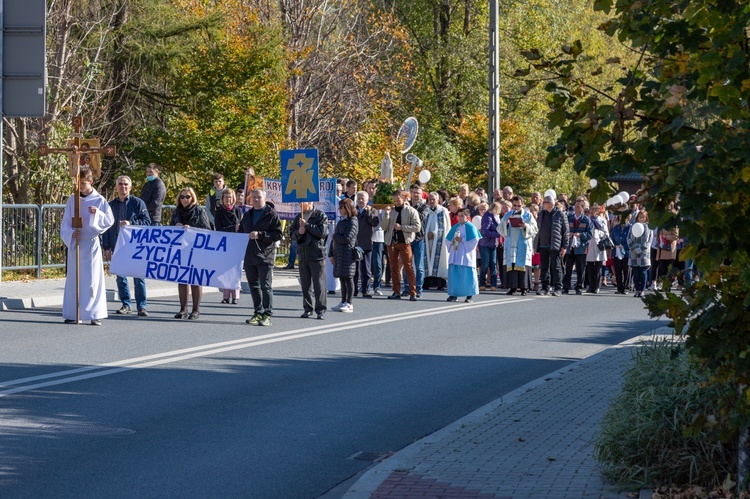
(31, 237)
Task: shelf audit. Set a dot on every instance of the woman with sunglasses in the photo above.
(189, 213)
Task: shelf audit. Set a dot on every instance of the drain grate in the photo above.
(366, 456)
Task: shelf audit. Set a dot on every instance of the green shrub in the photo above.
(664, 428)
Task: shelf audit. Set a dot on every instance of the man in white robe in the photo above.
(97, 218)
(437, 226)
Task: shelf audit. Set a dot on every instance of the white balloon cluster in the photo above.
(638, 229)
(621, 198)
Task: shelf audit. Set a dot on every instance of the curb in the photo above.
(369, 482)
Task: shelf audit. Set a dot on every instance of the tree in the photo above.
(680, 116)
(226, 102)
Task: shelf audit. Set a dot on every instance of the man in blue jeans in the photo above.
(127, 210)
(417, 245)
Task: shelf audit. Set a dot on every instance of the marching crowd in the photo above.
(464, 243)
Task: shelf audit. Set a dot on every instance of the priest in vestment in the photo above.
(518, 226)
(437, 226)
(97, 218)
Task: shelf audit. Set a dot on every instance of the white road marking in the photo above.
(82, 373)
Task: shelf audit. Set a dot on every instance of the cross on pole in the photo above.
(76, 147)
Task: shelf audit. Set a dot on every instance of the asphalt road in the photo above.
(157, 407)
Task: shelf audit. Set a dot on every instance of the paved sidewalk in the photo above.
(36, 293)
(536, 442)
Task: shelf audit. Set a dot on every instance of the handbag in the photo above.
(358, 254)
(605, 243)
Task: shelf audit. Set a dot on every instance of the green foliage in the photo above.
(678, 115)
(665, 427)
(229, 108)
(384, 193)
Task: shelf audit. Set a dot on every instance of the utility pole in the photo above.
(493, 171)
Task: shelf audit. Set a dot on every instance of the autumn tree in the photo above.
(226, 101)
(678, 115)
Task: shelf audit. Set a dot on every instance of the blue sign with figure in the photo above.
(299, 175)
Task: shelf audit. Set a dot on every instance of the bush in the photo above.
(384, 193)
(664, 427)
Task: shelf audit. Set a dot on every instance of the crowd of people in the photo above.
(465, 244)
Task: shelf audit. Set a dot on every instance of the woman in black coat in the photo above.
(340, 253)
(189, 213)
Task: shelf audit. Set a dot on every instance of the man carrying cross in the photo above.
(96, 217)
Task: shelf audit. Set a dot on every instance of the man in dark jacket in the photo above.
(128, 210)
(581, 231)
(262, 224)
(153, 193)
(310, 230)
(368, 220)
(551, 244)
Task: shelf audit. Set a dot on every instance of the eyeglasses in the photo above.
(185, 196)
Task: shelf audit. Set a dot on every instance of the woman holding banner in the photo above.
(189, 213)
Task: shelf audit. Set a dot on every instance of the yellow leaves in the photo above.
(746, 174)
(745, 86)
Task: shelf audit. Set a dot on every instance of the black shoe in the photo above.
(321, 315)
(225, 300)
(565, 292)
(96, 322)
(468, 300)
(452, 298)
(70, 321)
(306, 315)
(523, 292)
(194, 315)
(394, 296)
(579, 292)
(511, 292)
(180, 315)
(235, 301)
(366, 295)
(290, 267)
(555, 293)
(413, 298)
(124, 310)
(142, 312)
(331, 292)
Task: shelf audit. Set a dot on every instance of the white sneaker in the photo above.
(338, 307)
(377, 292)
(348, 308)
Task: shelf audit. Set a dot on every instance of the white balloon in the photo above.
(638, 229)
(612, 201)
(425, 176)
(624, 196)
(593, 183)
(551, 193)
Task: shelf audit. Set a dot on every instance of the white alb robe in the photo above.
(93, 292)
(436, 256)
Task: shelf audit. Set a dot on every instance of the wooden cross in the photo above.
(77, 146)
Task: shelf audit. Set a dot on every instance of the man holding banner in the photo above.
(263, 226)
